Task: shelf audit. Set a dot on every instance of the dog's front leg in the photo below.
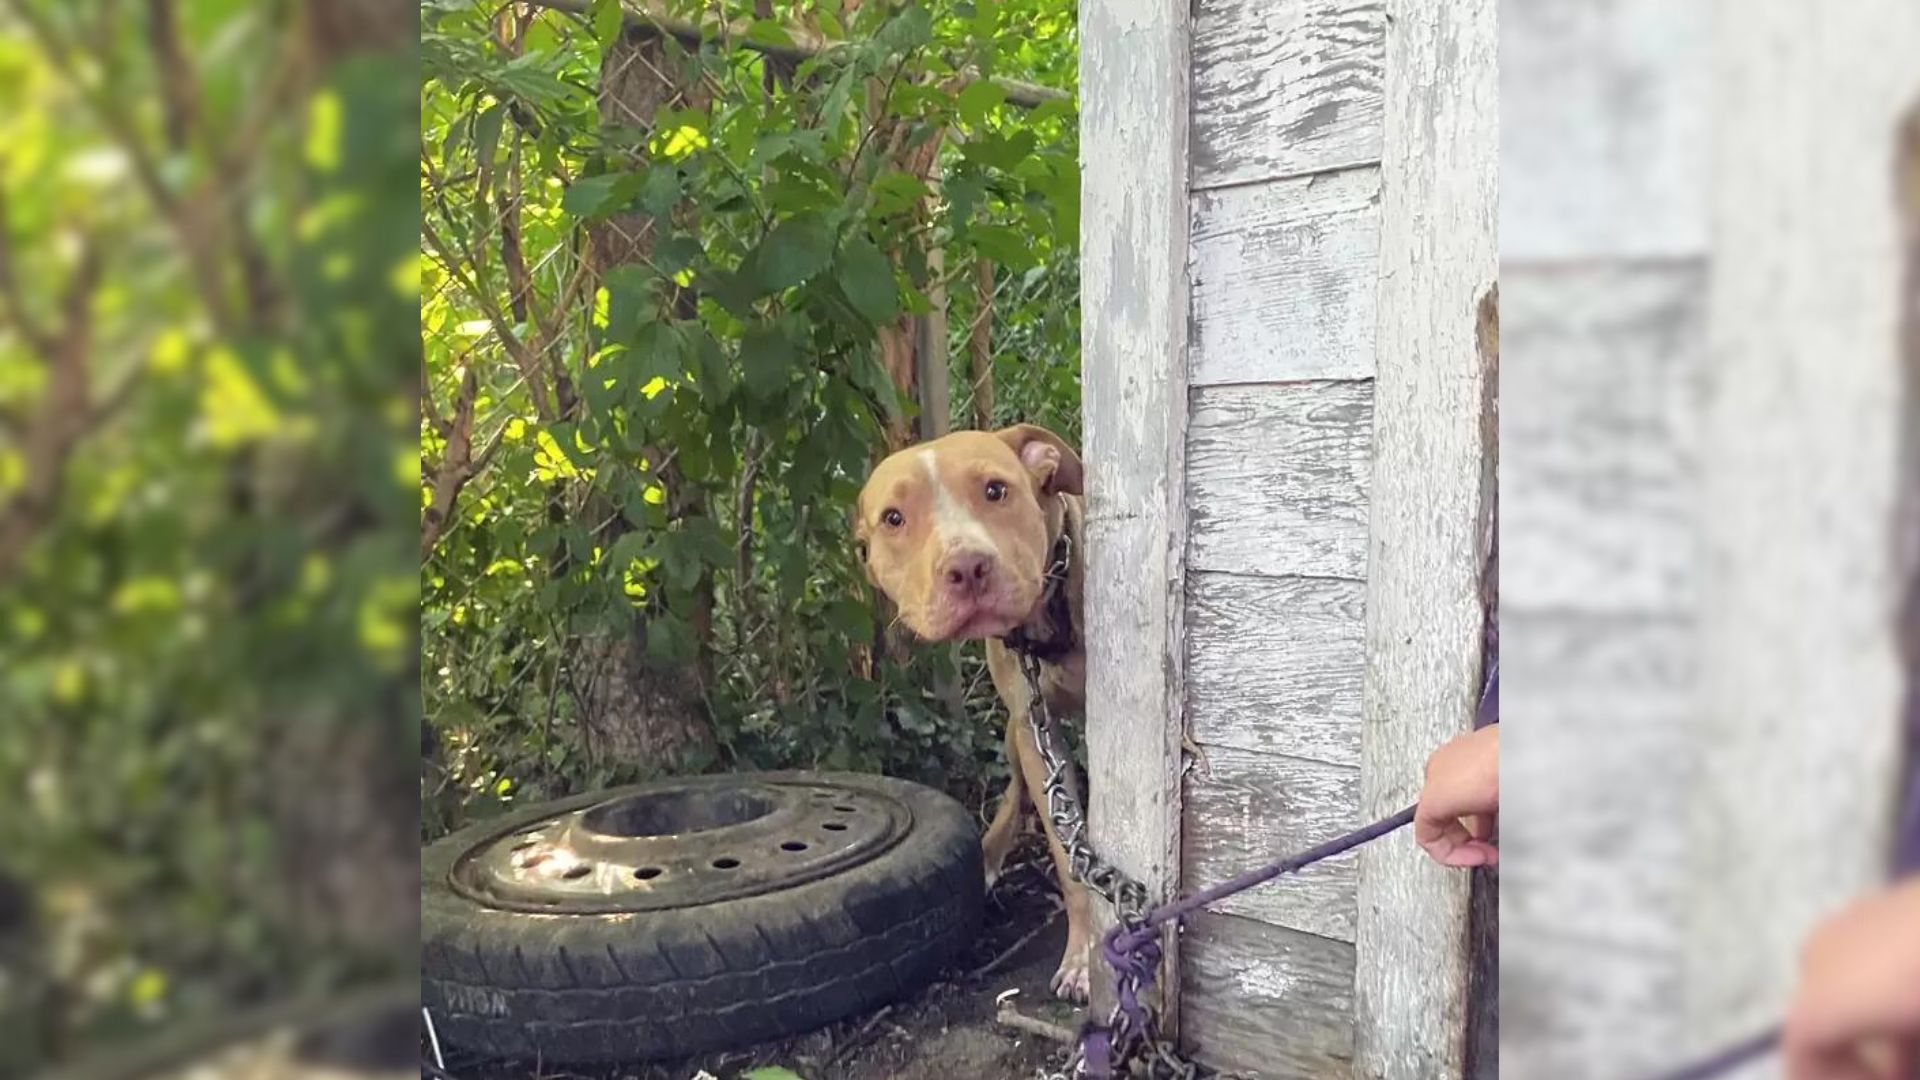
(1003, 833)
(1071, 980)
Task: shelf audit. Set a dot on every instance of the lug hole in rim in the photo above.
(846, 809)
(575, 873)
(835, 826)
(793, 845)
(726, 862)
(648, 873)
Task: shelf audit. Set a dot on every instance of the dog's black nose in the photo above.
(968, 573)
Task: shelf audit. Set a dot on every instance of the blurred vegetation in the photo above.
(689, 273)
(208, 589)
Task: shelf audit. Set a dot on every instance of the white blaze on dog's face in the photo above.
(958, 531)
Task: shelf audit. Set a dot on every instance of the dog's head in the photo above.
(958, 532)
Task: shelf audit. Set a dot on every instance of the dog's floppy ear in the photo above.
(857, 525)
(1048, 457)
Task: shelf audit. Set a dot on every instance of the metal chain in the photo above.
(1133, 1033)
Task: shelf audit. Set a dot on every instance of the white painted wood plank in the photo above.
(1593, 843)
(1801, 477)
(1268, 1004)
(1604, 129)
(1283, 279)
(1134, 318)
(1431, 518)
(1274, 665)
(1277, 479)
(1600, 483)
(1284, 88)
(1577, 1009)
(1244, 809)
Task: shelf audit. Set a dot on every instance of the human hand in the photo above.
(1856, 1013)
(1454, 821)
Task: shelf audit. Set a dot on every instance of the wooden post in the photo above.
(1134, 302)
(1795, 792)
(1431, 504)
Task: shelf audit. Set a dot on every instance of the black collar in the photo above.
(1049, 638)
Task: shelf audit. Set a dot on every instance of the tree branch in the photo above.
(18, 311)
(805, 45)
(60, 419)
(523, 358)
(457, 466)
(179, 88)
(980, 344)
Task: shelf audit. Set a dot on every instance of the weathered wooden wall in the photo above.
(1134, 305)
(1431, 529)
(1696, 526)
(1603, 243)
(1285, 204)
(1235, 543)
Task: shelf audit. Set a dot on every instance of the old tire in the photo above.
(587, 987)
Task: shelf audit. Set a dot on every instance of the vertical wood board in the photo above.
(1277, 479)
(1274, 665)
(1430, 518)
(1800, 491)
(1283, 279)
(1244, 809)
(1605, 129)
(1266, 1003)
(1284, 88)
(1134, 80)
(1600, 478)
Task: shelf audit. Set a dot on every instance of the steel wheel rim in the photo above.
(680, 844)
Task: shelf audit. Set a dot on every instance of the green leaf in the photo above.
(773, 1072)
(905, 32)
(657, 354)
(1003, 245)
(630, 300)
(766, 361)
(978, 101)
(867, 278)
(632, 546)
(708, 540)
(896, 191)
(676, 253)
(794, 251)
(607, 19)
(668, 638)
(597, 196)
(661, 191)
(710, 371)
(964, 193)
(486, 132)
(997, 151)
(769, 32)
(790, 194)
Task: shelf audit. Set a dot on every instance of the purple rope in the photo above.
(1136, 950)
(1726, 1060)
(1120, 940)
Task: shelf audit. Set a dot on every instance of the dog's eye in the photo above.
(996, 491)
(894, 519)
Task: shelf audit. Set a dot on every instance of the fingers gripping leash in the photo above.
(1129, 1043)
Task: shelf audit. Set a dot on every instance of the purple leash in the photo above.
(1740, 1053)
(1135, 950)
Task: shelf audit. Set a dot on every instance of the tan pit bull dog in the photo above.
(959, 533)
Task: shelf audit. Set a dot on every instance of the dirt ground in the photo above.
(947, 1031)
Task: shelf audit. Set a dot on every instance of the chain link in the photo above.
(1133, 1034)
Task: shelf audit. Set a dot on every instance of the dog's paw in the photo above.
(1073, 981)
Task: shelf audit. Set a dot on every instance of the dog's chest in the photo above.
(1065, 683)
